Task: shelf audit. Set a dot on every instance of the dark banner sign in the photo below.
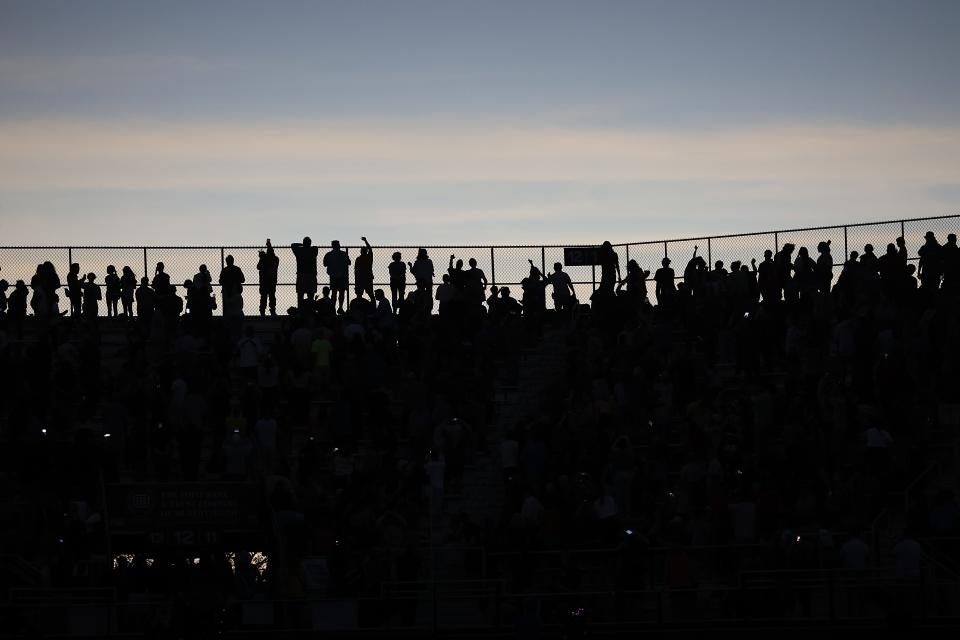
(182, 514)
(581, 256)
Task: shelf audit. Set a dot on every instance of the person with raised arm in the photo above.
(363, 271)
(306, 255)
(268, 265)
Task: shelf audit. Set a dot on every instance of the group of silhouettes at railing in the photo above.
(779, 275)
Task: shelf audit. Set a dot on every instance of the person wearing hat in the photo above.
(930, 268)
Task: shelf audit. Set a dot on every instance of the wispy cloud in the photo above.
(96, 155)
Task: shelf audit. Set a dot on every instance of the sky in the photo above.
(453, 121)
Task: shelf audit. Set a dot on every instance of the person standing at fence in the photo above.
(112, 282)
(564, 295)
(929, 270)
(306, 256)
(950, 254)
(363, 271)
(666, 288)
(231, 279)
(824, 267)
(146, 303)
(337, 263)
(17, 307)
(75, 290)
(161, 280)
(268, 265)
(398, 281)
(422, 270)
(609, 266)
(91, 297)
(476, 283)
(128, 286)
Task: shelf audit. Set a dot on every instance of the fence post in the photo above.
(493, 268)
(69, 257)
(665, 249)
(145, 274)
(347, 251)
(846, 249)
(628, 254)
(903, 231)
(709, 255)
(222, 261)
(543, 261)
(776, 242)
(593, 276)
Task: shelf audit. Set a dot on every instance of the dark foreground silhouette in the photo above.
(765, 443)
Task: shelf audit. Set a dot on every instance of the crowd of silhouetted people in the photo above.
(750, 415)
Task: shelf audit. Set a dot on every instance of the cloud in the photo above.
(53, 154)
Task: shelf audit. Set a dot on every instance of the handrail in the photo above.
(510, 246)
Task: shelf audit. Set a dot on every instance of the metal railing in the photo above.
(504, 265)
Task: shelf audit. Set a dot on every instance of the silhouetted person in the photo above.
(422, 270)
(930, 268)
(128, 288)
(534, 293)
(476, 282)
(146, 299)
(950, 262)
(337, 263)
(4, 287)
(805, 275)
(231, 279)
(75, 290)
(564, 295)
(161, 281)
(695, 273)
(458, 277)
(824, 267)
(783, 261)
(203, 280)
(902, 250)
(363, 270)
(609, 266)
(91, 297)
(17, 307)
(666, 286)
(268, 265)
(869, 259)
(767, 279)
(306, 256)
(507, 305)
(398, 280)
(112, 284)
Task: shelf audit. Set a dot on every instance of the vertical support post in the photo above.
(145, 274)
(665, 249)
(846, 248)
(628, 254)
(69, 258)
(709, 255)
(776, 242)
(903, 231)
(347, 251)
(593, 276)
(223, 262)
(493, 268)
(543, 261)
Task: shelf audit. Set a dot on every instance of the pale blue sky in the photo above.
(434, 122)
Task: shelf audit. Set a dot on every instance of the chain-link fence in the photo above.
(504, 265)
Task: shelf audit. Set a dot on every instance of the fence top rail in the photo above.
(498, 246)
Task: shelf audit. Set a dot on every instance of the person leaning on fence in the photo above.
(422, 270)
(306, 256)
(267, 265)
(337, 263)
